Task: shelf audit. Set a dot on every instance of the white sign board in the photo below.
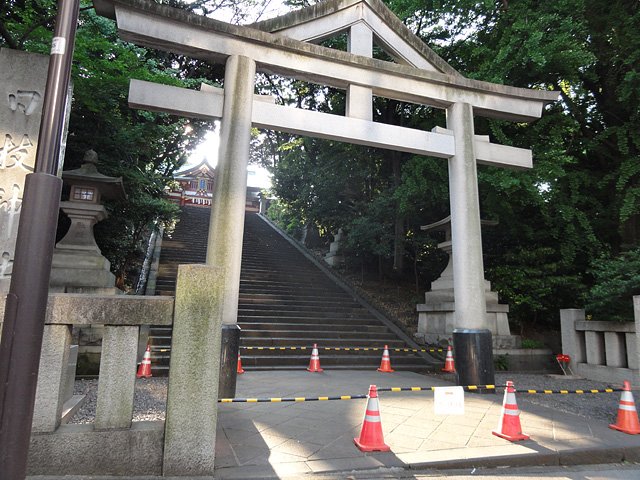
(448, 401)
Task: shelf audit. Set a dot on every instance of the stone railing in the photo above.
(113, 444)
(602, 350)
(56, 448)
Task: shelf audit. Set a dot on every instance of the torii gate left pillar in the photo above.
(224, 247)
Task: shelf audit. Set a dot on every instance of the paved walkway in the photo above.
(262, 440)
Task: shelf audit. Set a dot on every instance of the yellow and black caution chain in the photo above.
(403, 389)
(342, 397)
(606, 390)
(374, 349)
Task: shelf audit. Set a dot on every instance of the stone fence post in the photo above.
(573, 343)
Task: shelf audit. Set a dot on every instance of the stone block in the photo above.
(603, 326)
(502, 324)
(611, 375)
(440, 296)
(192, 406)
(334, 260)
(82, 276)
(52, 378)
(615, 349)
(491, 322)
(527, 359)
(632, 350)
(117, 377)
(594, 342)
(573, 341)
(72, 365)
(436, 322)
(82, 309)
(81, 450)
(492, 297)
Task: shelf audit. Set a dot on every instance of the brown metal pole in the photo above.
(27, 300)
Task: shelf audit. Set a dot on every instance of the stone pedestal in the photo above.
(78, 265)
(437, 316)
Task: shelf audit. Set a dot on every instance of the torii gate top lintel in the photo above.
(165, 28)
(385, 25)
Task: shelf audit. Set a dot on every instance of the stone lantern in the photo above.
(437, 316)
(78, 264)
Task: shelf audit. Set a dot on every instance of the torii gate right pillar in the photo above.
(472, 344)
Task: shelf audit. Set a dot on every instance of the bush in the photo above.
(532, 344)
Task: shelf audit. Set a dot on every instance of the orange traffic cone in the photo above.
(448, 363)
(385, 366)
(509, 427)
(627, 416)
(314, 365)
(371, 437)
(240, 370)
(145, 365)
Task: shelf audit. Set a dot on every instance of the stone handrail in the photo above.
(601, 350)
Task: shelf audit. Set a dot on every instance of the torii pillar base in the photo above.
(229, 348)
(473, 356)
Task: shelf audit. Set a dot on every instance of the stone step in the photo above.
(163, 370)
(289, 326)
(273, 341)
(284, 301)
(303, 311)
(328, 321)
(314, 336)
(326, 360)
(322, 353)
(292, 291)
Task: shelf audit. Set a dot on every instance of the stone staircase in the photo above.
(286, 305)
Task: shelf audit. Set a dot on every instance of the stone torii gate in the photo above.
(287, 46)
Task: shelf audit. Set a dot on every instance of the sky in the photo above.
(257, 176)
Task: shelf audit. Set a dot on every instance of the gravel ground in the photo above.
(601, 406)
(151, 396)
(150, 400)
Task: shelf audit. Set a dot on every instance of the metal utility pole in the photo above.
(27, 299)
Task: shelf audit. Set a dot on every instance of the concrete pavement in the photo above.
(314, 439)
(289, 439)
